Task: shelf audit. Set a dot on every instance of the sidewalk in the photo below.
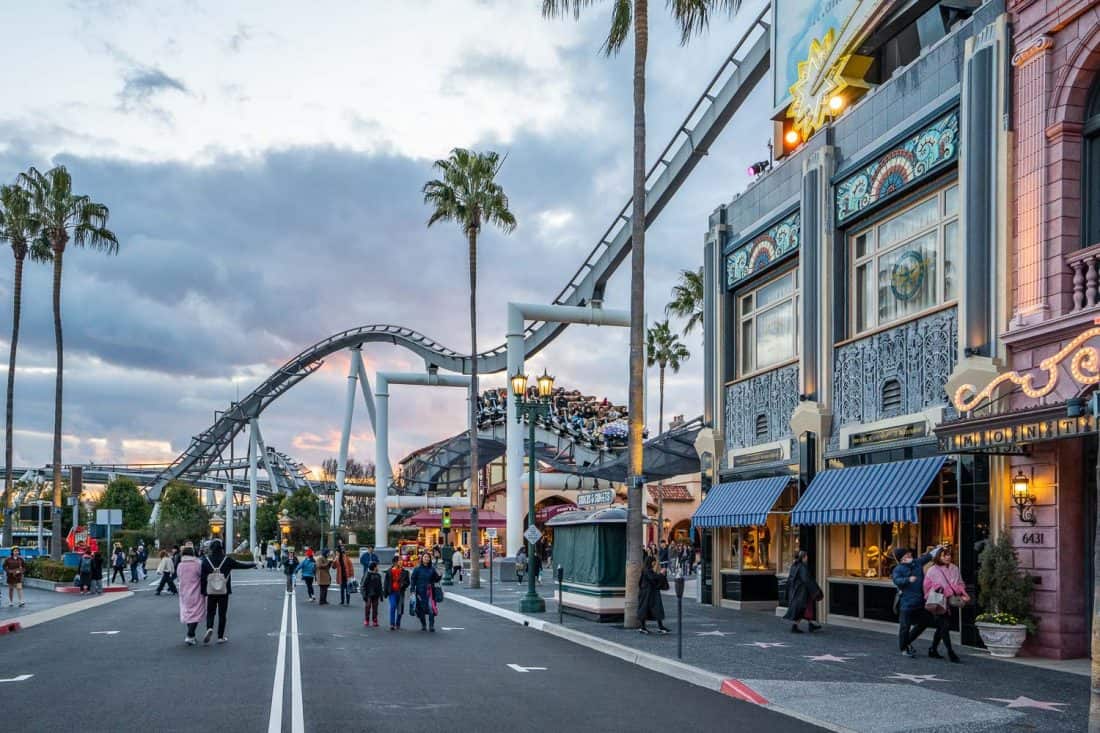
(36, 600)
(845, 678)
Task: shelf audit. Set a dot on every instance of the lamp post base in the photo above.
(532, 604)
(447, 579)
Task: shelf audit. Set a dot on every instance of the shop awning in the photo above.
(460, 518)
(740, 503)
(883, 492)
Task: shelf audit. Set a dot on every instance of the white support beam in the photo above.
(567, 482)
(383, 473)
(368, 398)
(230, 537)
(518, 313)
(253, 488)
(355, 363)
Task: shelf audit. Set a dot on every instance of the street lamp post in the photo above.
(216, 524)
(284, 527)
(532, 602)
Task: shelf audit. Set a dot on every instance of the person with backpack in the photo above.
(192, 602)
(215, 583)
(945, 579)
(908, 577)
(309, 570)
(290, 569)
(324, 576)
(371, 588)
(345, 572)
(84, 570)
(397, 582)
(118, 564)
(166, 570)
(423, 580)
(15, 567)
(97, 573)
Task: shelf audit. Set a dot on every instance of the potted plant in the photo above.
(1005, 593)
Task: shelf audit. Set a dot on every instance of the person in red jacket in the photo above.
(14, 568)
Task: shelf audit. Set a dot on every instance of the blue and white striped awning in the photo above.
(740, 503)
(883, 492)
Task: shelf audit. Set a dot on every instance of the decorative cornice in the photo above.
(1036, 47)
(1059, 130)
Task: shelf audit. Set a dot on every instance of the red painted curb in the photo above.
(74, 589)
(9, 626)
(739, 690)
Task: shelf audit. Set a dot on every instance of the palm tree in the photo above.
(19, 226)
(687, 299)
(469, 195)
(64, 215)
(692, 16)
(664, 350)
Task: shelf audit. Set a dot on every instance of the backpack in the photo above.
(215, 581)
(85, 565)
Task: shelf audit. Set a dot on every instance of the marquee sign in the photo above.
(1084, 367)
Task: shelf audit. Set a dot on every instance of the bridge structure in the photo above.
(582, 296)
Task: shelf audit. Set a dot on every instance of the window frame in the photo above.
(1090, 169)
(741, 319)
(873, 254)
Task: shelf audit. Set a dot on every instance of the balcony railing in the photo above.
(1085, 266)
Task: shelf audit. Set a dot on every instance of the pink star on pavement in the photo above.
(826, 658)
(1027, 702)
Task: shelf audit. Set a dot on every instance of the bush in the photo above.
(47, 569)
(1003, 590)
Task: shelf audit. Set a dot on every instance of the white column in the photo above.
(252, 487)
(382, 476)
(230, 540)
(210, 503)
(345, 434)
(514, 503)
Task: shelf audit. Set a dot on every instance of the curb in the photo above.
(74, 589)
(8, 627)
(653, 662)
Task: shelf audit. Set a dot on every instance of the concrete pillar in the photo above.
(230, 537)
(252, 487)
(345, 433)
(382, 475)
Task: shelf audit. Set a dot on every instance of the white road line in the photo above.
(19, 678)
(275, 719)
(297, 715)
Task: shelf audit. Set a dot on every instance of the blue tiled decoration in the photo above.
(913, 159)
(774, 395)
(920, 355)
(764, 249)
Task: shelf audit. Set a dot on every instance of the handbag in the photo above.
(437, 594)
(412, 606)
(956, 601)
(935, 602)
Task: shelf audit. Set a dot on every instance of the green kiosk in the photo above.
(590, 547)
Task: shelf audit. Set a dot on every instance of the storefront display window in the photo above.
(764, 547)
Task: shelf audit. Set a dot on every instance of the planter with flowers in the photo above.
(1006, 593)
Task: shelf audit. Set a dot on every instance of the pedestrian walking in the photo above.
(85, 572)
(118, 564)
(217, 585)
(344, 573)
(944, 577)
(134, 563)
(175, 560)
(15, 567)
(192, 602)
(372, 590)
(143, 555)
(423, 580)
(290, 569)
(368, 557)
(803, 593)
(908, 576)
(397, 582)
(650, 606)
(97, 573)
(166, 570)
(324, 576)
(456, 564)
(309, 570)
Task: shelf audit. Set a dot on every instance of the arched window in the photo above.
(1091, 178)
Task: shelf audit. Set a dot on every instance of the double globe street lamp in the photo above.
(531, 409)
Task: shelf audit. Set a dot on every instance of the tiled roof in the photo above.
(672, 492)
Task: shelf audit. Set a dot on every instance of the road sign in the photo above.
(491, 533)
(594, 498)
(111, 517)
(532, 534)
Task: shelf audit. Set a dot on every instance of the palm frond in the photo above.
(687, 299)
(664, 348)
(622, 15)
(562, 8)
(467, 192)
(693, 16)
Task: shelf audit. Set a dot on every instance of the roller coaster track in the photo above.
(735, 79)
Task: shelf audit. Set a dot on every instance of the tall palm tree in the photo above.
(687, 299)
(20, 228)
(664, 350)
(692, 16)
(64, 216)
(468, 194)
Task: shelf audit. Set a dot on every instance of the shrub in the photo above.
(47, 569)
(1003, 590)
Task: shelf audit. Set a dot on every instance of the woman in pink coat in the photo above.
(944, 576)
(192, 601)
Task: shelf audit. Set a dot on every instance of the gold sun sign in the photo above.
(1084, 367)
(819, 83)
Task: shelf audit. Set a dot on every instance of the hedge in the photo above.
(46, 569)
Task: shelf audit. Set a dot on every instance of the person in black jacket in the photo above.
(650, 605)
(371, 588)
(423, 579)
(97, 573)
(802, 593)
(216, 559)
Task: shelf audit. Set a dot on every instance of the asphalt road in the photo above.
(468, 676)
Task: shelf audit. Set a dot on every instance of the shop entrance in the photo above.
(1088, 467)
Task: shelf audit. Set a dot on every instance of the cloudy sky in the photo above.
(263, 163)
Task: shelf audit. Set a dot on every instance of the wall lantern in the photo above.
(1024, 499)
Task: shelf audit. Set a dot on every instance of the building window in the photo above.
(908, 263)
(761, 426)
(1092, 168)
(768, 324)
